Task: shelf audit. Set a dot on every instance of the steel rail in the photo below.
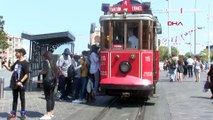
(103, 112)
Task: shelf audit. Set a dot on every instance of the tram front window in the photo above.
(118, 35)
(133, 34)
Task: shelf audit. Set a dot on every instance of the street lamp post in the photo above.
(169, 15)
(195, 26)
(209, 15)
(190, 43)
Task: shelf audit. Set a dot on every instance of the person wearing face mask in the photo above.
(77, 80)
(64, 82)
(84, 76)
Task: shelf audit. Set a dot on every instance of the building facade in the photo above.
(95, 38)
(211, 48)
(9, 54)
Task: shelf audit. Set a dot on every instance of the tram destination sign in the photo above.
(126, 7)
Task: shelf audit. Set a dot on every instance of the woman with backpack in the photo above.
(49, 82)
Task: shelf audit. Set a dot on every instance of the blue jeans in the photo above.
(172, 74)
(96, 81)
(76, 88)
(84, 81)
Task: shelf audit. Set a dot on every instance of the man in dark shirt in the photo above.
(18, 81)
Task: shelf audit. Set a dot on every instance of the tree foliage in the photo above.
(188, 54)
(3, 35)
(174, 51)
(164, 52)
(204, 55)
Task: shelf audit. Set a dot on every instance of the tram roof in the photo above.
(59, 37)
(128, 17)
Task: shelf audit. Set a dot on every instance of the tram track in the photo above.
(101, 115)
(108, 111)
(141, 112)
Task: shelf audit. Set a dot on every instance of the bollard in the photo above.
(1, 87)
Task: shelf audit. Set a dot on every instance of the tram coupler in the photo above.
(125, 94)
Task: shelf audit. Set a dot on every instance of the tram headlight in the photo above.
(125, 67)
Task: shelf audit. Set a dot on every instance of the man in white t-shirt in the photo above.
(64, 82)
(133, 40)
(190, 63)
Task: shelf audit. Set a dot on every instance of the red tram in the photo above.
(129, 57)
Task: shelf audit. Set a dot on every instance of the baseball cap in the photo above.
(67, 51)
(21, 50)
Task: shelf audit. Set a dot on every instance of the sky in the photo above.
(75, 16)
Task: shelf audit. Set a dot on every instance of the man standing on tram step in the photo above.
(64, 82)
(95, 68)
(18, 81)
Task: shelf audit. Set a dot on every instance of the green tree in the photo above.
(204, 55)
(174, 51)
(3, 35)
(188, 54)
(163, 53)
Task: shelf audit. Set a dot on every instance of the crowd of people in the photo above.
(74, 72)
(181, 67)
(76, 78)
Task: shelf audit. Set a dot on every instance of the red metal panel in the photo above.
(157, 60)
(147, 65)
(125, 56)
(104, 64)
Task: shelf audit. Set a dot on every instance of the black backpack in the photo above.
(174, 64)
(50, 79)
(71, 72)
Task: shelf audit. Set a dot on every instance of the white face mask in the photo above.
(97, 43)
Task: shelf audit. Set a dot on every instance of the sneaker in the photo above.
(12, 114)
(45, 117)
(77, 101)
(52, 116)
(58, 94)
(83, 100)
(23, 115)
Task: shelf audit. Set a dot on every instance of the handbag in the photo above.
(89, 86)
(49, 80)
(207, 86)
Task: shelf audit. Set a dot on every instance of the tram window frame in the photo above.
(124, 31)
(144, 34)
(135, 29)
(118, 35)
(105, 35)
(146, 41)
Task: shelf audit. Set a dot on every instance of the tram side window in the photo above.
(133, 35)
(118, 35)
(105, 34)
(145, 35)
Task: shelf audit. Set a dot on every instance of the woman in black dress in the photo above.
(185, 68)
(210, 77)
